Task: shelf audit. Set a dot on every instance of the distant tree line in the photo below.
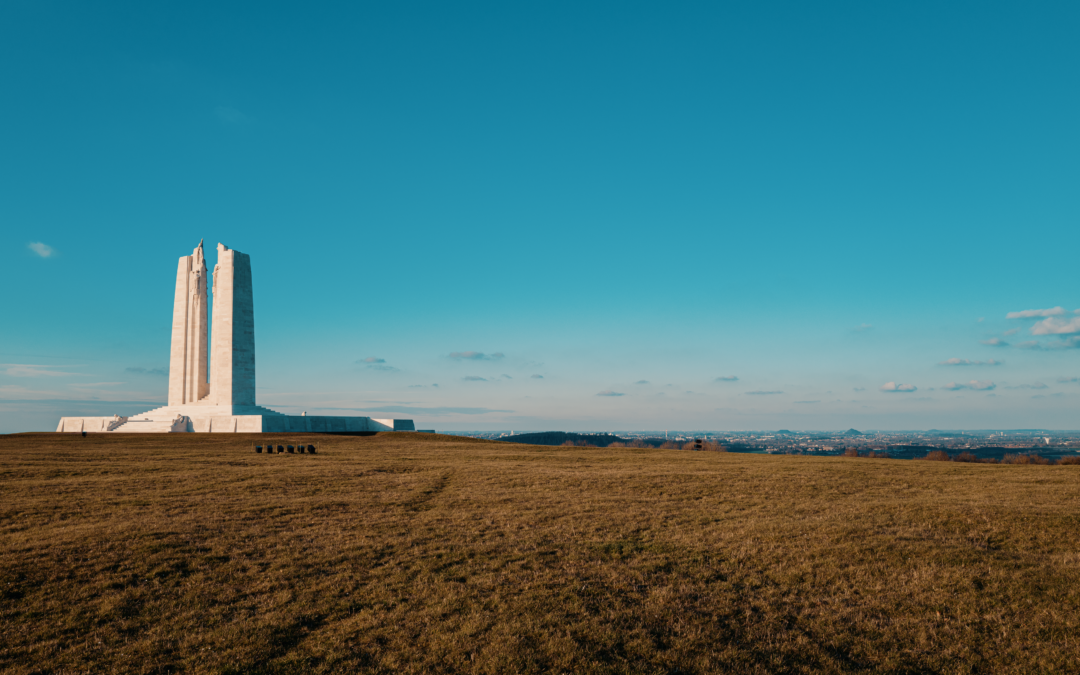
(567, 438)
(564, 437)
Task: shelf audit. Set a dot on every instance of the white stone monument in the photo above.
(226, 401)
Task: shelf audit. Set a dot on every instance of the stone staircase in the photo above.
(150, 413)
(198, 411)
(150, 427)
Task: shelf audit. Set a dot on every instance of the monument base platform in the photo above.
(227, 419)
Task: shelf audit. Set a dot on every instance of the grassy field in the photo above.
(408, 553)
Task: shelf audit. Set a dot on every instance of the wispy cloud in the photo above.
(892, 387)
(537, 377)
(35, 370)
(1036, 385)
(375, 363)
(859, 389)
(862, 328)
(138, 370)
(995, 342)
(1054, 326)
(808, 401)
(426, 411)
(43, 250)
(642, 382)
(1067, 343)
(475, 356)
(726, 378)
(1011, 331)
(1035, 313)
(608, 392)
(977, 385)
(966, 362)
(474, 378)
(763, 393)
(1064, 380)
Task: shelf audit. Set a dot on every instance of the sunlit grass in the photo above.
(418, 553)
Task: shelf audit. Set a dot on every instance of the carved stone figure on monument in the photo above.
(188, 358)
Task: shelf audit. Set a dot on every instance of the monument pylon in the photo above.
(226, 400)
(232, 345)
(232, 365)
(188, 356)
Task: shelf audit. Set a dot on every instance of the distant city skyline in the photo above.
(742, 217)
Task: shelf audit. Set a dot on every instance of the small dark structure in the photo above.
(300, 448)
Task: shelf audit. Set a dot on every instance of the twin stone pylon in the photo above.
(231, 346)
(224, 402)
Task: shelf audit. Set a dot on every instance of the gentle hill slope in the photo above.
(402, 553)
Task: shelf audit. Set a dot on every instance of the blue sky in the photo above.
(565, 215)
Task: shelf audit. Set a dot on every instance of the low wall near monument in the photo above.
(332, 424)
(238, 424)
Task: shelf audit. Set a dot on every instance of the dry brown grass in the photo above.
(406, 553)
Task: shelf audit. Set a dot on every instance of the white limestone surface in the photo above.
(224, 403)
(232, 340)
(188, 352)
(219, 419)
(398, 425)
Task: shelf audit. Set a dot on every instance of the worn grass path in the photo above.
(409, 553)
